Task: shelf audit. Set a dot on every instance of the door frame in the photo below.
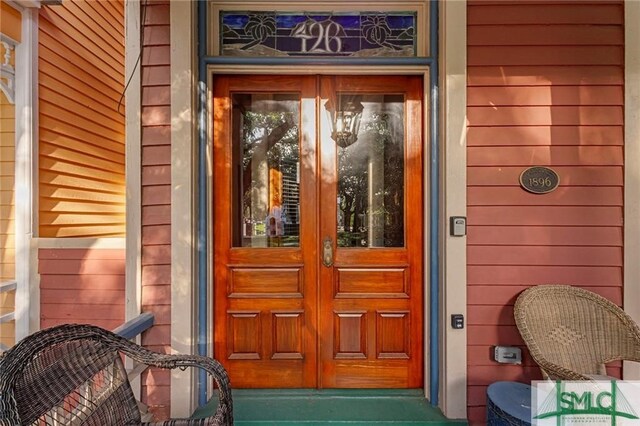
(184, 62)
(213, 70)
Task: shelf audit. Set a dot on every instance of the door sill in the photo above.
(310, 407)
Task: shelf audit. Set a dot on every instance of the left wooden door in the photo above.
(265, 271)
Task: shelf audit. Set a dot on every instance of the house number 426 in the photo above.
(324, 35)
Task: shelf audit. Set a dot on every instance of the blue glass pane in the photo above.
(318, 34)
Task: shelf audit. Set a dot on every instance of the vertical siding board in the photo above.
(156, 197)
(81, 125)
(545, 87)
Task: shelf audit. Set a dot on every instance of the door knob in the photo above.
(327, 252)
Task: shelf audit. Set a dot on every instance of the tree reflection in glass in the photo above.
(266, 178)
(370, 200)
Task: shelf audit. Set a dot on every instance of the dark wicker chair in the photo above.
(572, 333)
(74, 375)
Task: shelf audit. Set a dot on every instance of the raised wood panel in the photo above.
(350, 335)
(587, 176)
(81, 150)
(536, 75)
(545, 236)
(265, 282)
(545, 216)
(393, 335)
(544, 274)
(287, 335)
(562, 196)
(374, 283)
(244, 336)
(545, 95)
(550, 35)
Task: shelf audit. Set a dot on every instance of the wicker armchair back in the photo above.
(572, 333)
(74, 375)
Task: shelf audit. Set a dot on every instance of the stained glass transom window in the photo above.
(356, 34)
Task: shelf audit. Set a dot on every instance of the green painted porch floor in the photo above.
(353, 407)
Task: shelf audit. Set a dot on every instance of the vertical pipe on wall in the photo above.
(434, 199)
(202, 242)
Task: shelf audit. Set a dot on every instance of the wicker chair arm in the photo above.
(224, 413)
(24, 351)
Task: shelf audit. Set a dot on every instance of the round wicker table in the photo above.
(508, 403)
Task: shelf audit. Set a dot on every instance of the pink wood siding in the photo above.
(156, 198)
(82, 286)
(545, 87)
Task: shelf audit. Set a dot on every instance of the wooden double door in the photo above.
(318, 230)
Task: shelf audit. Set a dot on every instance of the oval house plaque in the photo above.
(539, 180)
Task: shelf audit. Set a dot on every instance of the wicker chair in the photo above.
(572, 333)
(74, 375)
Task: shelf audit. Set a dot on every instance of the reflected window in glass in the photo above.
(266, 170)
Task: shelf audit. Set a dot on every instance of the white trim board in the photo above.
(631, 371)
(183, 214)
(453, 347)
(26, 107)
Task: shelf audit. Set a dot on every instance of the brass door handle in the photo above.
(327, 252)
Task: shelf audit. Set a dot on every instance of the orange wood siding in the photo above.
(10, 25)
(81, 128)
(82, 286)
(7, 214)
(545, 87)
(156, 199)
(10, 21)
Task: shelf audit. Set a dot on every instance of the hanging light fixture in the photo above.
(345, 113)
